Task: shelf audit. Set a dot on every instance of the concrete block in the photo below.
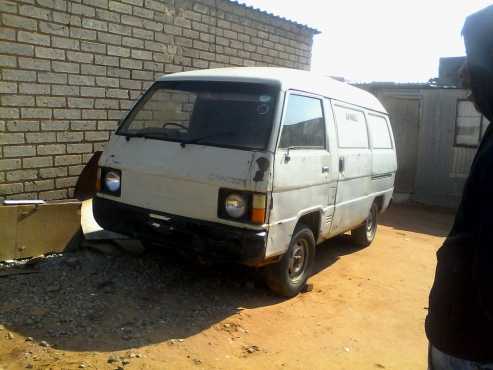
(40, 137)
(38, 64)
(33, 38)
(19, 22)
(22, 126)
(53, 194)
(79, 148)
(83, 125)
(80, 102)
(93, 92)
(54, 78)
(19, 175)
(6, 189)
(49, 53)
(75, 56)
(65, 90)
(39, 185)
(10, 164)
(69, 137)
(96, 136)
(50, 101)
(8, 87)
(95, 24)
(64, 160)
(36, 162)
(65, 43)
(17, 100)
(18, 75)
(34, 12)
(51, 149)
(19, 151)
(66, 113)
(48, 173)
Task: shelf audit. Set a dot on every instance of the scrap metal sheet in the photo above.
(30, 230)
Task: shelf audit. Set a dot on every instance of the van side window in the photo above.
(351, 127)
(304, 124)
(379, 132)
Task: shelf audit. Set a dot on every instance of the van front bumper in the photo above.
(242, 245)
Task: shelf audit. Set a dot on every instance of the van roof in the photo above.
(288, 79)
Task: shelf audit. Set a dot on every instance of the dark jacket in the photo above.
(460, 317)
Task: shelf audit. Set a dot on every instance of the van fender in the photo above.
(86, 186)
(281, 232)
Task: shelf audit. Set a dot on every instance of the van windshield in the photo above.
(228, 114)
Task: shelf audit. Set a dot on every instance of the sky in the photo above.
(379, 40)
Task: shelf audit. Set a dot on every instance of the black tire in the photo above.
(288, 276)
(364, 235)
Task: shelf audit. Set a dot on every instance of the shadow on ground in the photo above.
(87, 301)
(419, 219)
(331, 250)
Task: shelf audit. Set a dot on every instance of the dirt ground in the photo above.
(160, 311)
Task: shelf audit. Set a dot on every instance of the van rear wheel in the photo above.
(364, 235)
(288, 276)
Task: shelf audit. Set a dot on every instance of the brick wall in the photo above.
(69, 69)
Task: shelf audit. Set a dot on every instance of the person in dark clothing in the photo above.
(459, 325)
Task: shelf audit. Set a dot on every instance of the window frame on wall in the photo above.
(320, 99)
(456, 127)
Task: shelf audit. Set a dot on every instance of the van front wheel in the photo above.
(288, 276)
(364, 235)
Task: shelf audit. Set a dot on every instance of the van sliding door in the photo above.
(355, 167)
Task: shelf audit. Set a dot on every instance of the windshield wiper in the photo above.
(147, 136)
(128, 135)
(205, 137)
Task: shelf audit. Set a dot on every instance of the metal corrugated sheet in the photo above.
(306, 27)
(461, 161)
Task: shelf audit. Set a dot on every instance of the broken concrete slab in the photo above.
(33, 229)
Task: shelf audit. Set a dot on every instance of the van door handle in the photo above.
(325, 169)
(342, 164)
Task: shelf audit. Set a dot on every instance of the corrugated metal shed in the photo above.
(432, 166)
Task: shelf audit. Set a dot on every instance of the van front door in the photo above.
(304, 178)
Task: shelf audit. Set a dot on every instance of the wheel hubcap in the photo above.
(297, 260)
(371, 224)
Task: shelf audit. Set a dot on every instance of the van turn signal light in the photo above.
(98, 180)
(259, 203)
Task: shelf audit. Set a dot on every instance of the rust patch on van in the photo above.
(263, 165)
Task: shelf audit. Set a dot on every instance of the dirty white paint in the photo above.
(185, 181)
(343, 195)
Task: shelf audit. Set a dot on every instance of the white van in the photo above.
(258, 163)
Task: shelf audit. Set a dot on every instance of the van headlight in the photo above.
(235, 205)
(112, 181)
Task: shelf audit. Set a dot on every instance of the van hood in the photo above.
(185, 181)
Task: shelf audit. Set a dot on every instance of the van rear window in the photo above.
(225, 114)
(379, 132)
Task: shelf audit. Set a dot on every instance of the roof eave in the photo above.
(312, 30)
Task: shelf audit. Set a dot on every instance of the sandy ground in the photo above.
(366, 311)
